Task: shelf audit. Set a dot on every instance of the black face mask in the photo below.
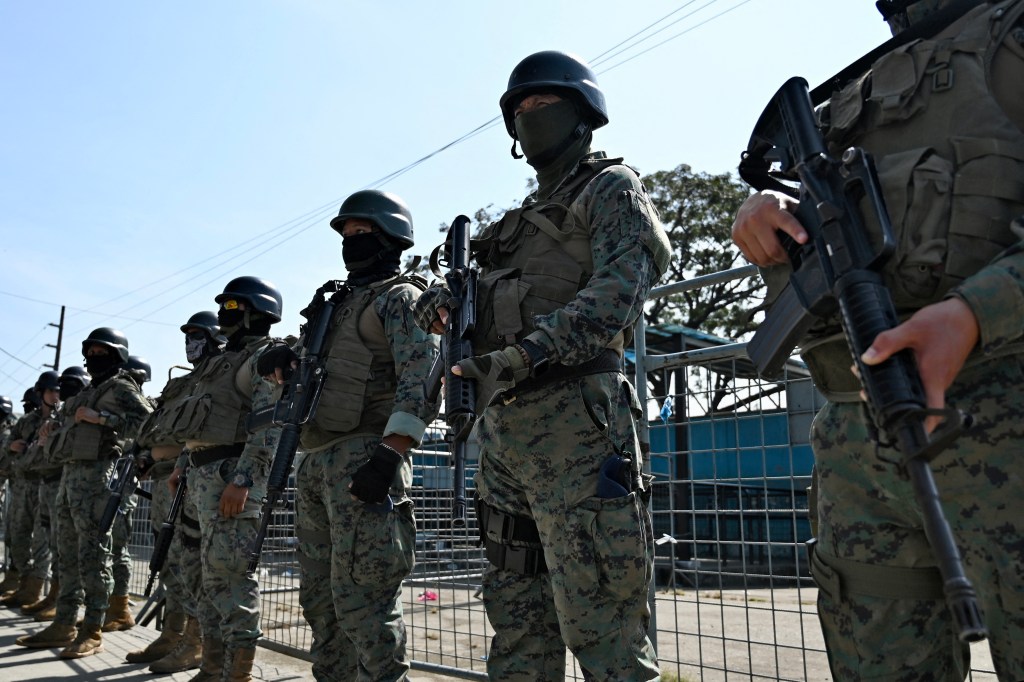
(69, 389)
(99, 365)
(546, 132)
(360, 251)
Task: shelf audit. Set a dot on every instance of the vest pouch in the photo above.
(918, 189)
(897, 79)
(988, 193)
(344, 393)
(552, 282)
(88, 442)
(499, 295)
(188, 417)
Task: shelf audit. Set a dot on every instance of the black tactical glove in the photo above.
(373, 480)
(276, 357)
(424, 309)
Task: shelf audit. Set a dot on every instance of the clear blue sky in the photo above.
(153, 151)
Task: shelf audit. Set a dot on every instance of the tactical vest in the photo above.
(157, 429)
(84, 441)
(26, 429)
(359, 393)
(220, 401)
(949, 159)
(538, 257)
(35, 456)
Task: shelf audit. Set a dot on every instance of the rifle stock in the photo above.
(838, 270)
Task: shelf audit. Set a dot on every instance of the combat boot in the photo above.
(212, 666)
(54, 635)
(46, 614)
(188, 654)
(28, 592)
(238, 665)
(47, 602)
(119, 615)
(169, 637)
(12, 578)
(88, 642)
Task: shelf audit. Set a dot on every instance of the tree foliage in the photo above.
(697, 210)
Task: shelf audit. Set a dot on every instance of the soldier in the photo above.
(72, 380)
(30, 550)
(179, 646)
(371, 412)
(227, 477)
(12, 576)
(562, 281)
(119, 614)
(951, 182)
(99, 421)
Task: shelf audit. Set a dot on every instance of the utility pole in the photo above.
(60, 337)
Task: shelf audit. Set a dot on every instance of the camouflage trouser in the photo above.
(353, 562)
(85, 563)
(120, 536)
(540, 457)
(867, 514)
(230, 599)
(22, 514)
(47, 559)
(170, 576)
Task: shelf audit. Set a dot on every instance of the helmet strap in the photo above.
(514, 154)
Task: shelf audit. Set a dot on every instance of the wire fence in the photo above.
(731, 597)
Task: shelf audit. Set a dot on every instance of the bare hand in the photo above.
(756, 223)
(87, 414)
(941, 335)
(437, 326)
(232, 500)
(174, 480)
(17, 446)
(46, 429)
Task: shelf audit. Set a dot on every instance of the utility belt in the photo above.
(607, 361)
(51, 476)
(214, 453)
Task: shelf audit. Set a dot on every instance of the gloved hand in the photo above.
(495, 372)
(424, 309)
(276, 357)
(373, 480)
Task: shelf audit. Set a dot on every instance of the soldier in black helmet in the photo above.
(562, 281)
(30, 547)
(356, 548)
(941, 114)
(99, 422)
(227, 476)
(179, 646)
(71, 382)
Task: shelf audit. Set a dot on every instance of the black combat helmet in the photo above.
(31, 399)
(205, 320)
(75, 374)
(48, 380)
(6, 406)
(902, 14)
(111, 338)
(139, 368)
(553, 71)
(385, 210)
(259, 294)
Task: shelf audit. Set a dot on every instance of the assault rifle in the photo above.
(297, 405)
(460, 393)
(123, 483)
(163, 539)
(837, 270)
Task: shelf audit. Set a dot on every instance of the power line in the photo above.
(15, 357)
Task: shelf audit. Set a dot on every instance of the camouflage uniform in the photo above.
(354, 558)
(215, 573)
(23, 491)
(943, 119)
(82, 496)
(44, 529)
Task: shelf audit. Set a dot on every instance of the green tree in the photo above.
(697, 210)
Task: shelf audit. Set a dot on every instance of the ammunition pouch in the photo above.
(842, 577)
